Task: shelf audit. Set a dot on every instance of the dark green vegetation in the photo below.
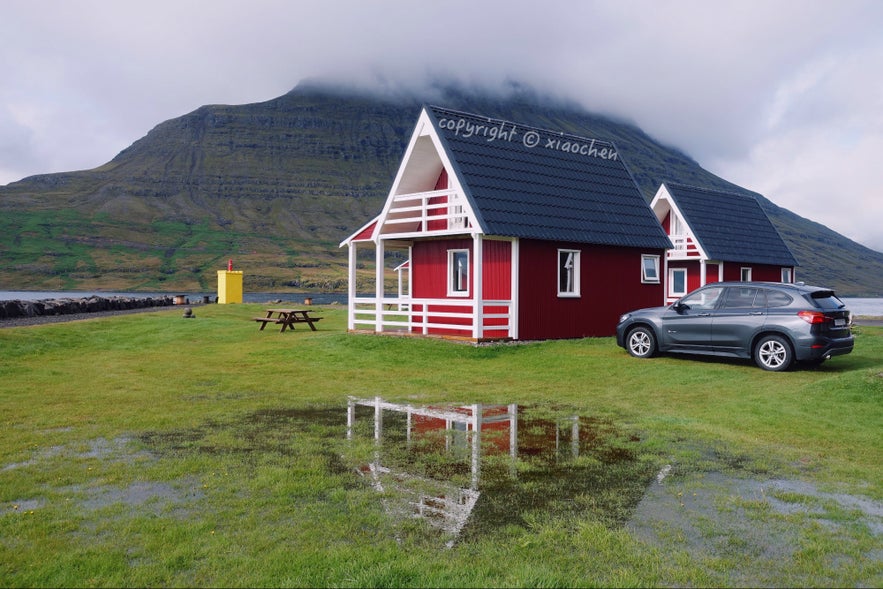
(149, 450)
(277, 185)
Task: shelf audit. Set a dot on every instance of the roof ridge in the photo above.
(707, 189)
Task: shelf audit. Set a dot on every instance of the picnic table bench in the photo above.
(287, 318)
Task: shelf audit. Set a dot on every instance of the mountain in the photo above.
(276, 186)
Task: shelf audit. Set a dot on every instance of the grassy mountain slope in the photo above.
(277, 185)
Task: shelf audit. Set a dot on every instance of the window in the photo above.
(775, 298)
(740, 298)
(568, 273)
(650, 268)
(786, 275)
(677, 282)
(458, 273)
(703, 300)
(746, 275)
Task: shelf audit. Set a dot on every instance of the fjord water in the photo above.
(248, 297)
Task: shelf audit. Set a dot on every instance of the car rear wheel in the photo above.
(641, 343)
(773, 352)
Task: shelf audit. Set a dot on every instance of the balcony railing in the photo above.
(435, 211)
(684, 247)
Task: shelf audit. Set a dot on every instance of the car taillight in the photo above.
(812, 317)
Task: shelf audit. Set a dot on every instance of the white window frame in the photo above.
(671, 282)
(787, 276)
(644, 277)
(745, 274)
(574, 272)
(456, 288)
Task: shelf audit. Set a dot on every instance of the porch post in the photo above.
(513, 290)
(378, 288)
(702, 271)
(477, 272)
(351, 288)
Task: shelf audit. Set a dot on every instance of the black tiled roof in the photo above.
(537, 184)
(731, 227)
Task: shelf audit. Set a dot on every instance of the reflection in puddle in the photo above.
(469, 469)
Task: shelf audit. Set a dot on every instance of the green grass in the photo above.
(149, 450)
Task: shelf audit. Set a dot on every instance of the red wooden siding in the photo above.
(429, 267)
(711, 273)
(610, 285)
(429, 278)
(496, 281)
(759, 272)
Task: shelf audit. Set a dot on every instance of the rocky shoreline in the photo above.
(15, 313)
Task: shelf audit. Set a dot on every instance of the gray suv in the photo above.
(773, 323)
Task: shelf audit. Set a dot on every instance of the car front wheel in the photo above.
(641, 343)
(773, 352)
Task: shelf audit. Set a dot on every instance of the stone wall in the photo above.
(66, 306)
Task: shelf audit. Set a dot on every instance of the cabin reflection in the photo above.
(428, 460)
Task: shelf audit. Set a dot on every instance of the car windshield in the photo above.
(825, 299)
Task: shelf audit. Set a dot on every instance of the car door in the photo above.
(687, 324)
(740, 314)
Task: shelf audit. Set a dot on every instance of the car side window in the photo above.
(775, 298)
(760, 299)
(740, 298)
(703, 299)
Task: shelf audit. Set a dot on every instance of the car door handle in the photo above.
(758, 313)
(703, 315)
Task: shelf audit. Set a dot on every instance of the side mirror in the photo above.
(679, 307)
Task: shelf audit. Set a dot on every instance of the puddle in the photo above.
(146, 495)
(470, 470)
(22, 506)
(99, 448)
(458, 471)
(759, 524)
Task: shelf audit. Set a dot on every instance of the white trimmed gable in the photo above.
(414, 207)
(686, 245)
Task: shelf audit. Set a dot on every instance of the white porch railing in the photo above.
(454, 317)
(417, 209)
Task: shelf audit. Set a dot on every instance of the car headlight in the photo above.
(624, 317)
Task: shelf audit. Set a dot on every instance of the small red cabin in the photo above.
(718, 236)
(509, 232)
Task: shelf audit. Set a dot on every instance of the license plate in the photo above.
(840, 322)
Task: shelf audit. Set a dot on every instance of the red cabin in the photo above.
(509, 232)
(718, 236)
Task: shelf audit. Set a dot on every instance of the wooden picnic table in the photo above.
(287, 318)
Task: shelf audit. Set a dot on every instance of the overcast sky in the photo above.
(782, 97)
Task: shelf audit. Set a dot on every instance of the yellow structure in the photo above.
(229, 286)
